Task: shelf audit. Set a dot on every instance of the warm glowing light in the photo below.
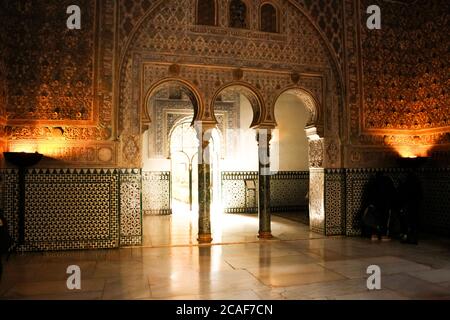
(52, 149)
(28, 148)
(412, 151)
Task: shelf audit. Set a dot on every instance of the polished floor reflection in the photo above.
(296, 265)
(181, 228)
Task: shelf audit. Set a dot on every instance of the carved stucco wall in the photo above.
(399, 93)
(61, 81)
(65, 83)
(166, 44)
(78, 80)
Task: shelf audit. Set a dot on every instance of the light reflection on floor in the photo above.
(181, 228)
(297, 265)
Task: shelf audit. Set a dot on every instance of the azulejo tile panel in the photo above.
(9, 179)
(67, 209)
(130, 207)
(335, 202)
(156, 193)
(71, 209)
(435, 209)
(235, 197)
(288, 190)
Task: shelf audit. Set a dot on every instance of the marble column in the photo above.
(204, 186)
(263, 136)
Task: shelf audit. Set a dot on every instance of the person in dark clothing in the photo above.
(410, 193)
(380, 196)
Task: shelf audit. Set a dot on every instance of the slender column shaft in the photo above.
(204, 189)
(263, 137)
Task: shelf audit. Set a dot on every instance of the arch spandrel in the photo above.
(156, 44)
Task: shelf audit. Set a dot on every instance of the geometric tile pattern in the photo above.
(9, 179)
(233, 192)
(288, 190)
(130, 207)
(435, 209)
(67, 209)
(71, 209)
(334, 202)
(316, 200)
(156, 193)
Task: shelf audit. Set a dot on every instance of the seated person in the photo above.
(380, 195)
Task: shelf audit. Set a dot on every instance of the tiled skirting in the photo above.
(435, 211)
(339, 193)
(288, 190)
(69, 209)
(156, 193)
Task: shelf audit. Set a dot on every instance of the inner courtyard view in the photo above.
(224, 150)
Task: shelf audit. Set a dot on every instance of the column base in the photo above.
(204, 238)
(265, 235)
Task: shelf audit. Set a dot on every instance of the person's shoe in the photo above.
(385, 238)
(374, 237)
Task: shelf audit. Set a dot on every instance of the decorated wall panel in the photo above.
(3, 83)
(235, 198)
(156, 193)
(398, 82)
(434, 208)
(288, 192)
(130, 207)
(71, 210)
(168, 44)
(67, 209)
(60, 88)
(335, 202)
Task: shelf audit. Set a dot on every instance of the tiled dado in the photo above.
(156, 193)
(435, 212)
(235, 199)
(288, 191)
(75, 208)
(327, 201)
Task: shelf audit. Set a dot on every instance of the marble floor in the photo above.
(295, 265)
(181, 228)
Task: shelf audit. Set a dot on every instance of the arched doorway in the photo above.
(290, 186)
(184, 152)
(305, 137)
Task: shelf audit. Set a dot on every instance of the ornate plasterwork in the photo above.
(397, 81)
(53, 66)
(61, 80)
(168, 46)
(327, 15)
(406, 82)
(316, 153)
(260, 86)
(165, 113)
